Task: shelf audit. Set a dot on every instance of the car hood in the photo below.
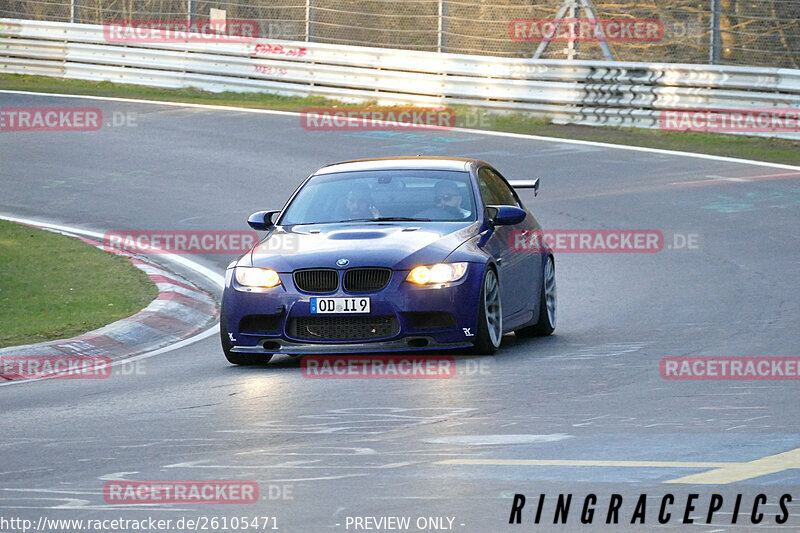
(400, 246)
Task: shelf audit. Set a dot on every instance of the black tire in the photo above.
(484, 343)
(546, 323)
(242, 359)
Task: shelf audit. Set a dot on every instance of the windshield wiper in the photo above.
(387, 219)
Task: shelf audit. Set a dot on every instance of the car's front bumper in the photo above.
(406, 344)
(264, 320)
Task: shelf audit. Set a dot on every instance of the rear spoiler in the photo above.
(526, 184)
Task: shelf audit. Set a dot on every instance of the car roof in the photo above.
(398, 163)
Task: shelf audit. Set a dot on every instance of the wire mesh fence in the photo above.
(733, 32)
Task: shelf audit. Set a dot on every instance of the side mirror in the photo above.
(262, 220)
(505, 215)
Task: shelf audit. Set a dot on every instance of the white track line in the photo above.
(462, 130)
(213, 276)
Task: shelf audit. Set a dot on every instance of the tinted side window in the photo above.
(494, 190)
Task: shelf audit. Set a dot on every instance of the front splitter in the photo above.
(408, 344)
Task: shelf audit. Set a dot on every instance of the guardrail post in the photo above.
(714, 43)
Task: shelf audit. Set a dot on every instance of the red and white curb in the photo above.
(180, 311)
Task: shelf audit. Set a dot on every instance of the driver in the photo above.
(448, 199)
(358, 203)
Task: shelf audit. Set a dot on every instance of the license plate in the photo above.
(339, 305)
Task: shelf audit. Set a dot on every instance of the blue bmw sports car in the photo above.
(386, 255)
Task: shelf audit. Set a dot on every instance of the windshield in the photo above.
(383, 195)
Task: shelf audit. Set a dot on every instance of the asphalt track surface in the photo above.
(325, 450)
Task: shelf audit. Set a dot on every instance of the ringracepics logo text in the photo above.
(646, 509)
(371, 119)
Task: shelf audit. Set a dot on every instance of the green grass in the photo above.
(758, 148)
(48, 84)
(53, 286)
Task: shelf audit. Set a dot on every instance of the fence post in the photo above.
(73, 11)
(440, 27)
(308, 20)
(714, 42)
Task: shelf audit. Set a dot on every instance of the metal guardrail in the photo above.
(732, 32)
(577, 92)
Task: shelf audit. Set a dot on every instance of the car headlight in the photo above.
(257, 277)
(439, 273)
